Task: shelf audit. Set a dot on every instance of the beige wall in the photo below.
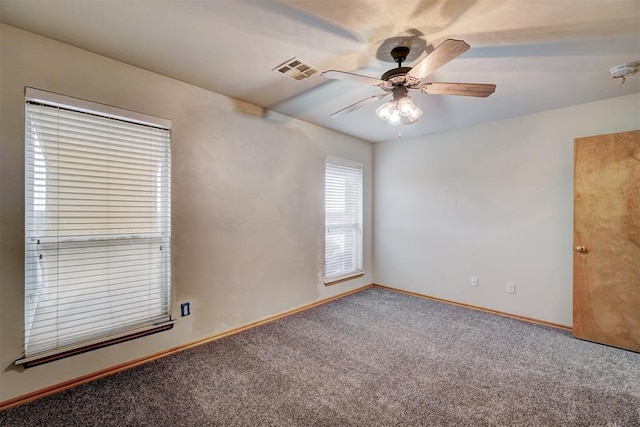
(493, 201)
(247, 211)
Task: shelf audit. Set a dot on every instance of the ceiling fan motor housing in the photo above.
(394, 72)
(398, 77)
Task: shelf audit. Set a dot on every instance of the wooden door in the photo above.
(606, 237)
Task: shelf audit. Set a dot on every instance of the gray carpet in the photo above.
(375, 358)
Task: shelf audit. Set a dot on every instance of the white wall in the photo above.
(247, 211)
(493, 201)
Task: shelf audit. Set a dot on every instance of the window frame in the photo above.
(126, 331)
(352, 170)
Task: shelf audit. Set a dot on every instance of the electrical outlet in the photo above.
(185, 309)
(511, 288)
(474, 281)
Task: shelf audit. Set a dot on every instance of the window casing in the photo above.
(343, 218)
(97, 223)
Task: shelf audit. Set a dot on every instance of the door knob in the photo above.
(581, 249)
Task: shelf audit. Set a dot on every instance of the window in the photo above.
(343, 219)
(97, 226)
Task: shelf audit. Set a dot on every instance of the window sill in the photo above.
(40, 359)
(343, 279)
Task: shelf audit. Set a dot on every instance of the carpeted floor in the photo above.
(375, 358)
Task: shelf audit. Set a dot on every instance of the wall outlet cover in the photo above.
(185, 309)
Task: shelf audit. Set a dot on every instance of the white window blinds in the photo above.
(98, 223)
(343, 218)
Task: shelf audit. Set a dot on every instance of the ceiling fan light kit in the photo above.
(398, 81)
(400, 110)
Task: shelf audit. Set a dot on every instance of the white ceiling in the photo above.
(541, 54)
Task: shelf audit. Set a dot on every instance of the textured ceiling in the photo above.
(541, 54)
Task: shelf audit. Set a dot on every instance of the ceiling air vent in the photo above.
(296, 68)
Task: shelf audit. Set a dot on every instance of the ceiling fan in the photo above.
(398, 81)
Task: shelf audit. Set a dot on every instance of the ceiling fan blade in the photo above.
(359, 104)
(445, 52)
(464, 89)
(358, 78)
